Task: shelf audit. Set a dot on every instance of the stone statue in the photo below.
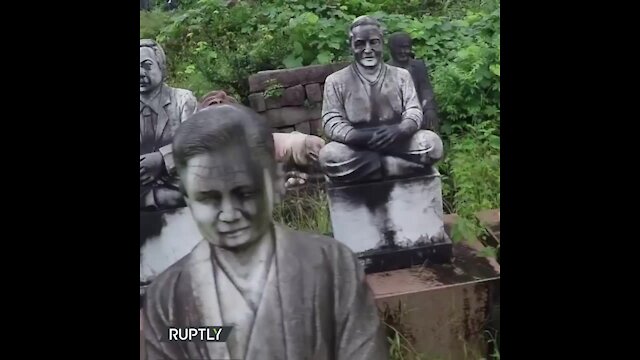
(163, 211)
(372, 113)
(296, 151)
(400, 44)
(287, 294)
(162, 109)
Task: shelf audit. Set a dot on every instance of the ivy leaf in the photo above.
(291, 61)
(297, 48)
(495, 69)
(325, 57)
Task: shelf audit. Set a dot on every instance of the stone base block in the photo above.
(444, 311)
(391, 224)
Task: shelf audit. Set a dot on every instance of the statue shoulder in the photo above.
(420, 64)
(339, 77)
(183, 95)
(401, 73)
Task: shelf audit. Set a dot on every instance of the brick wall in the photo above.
(297, 102)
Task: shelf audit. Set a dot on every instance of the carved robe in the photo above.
(315, 305)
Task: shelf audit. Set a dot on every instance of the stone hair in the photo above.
(364, 20)
(396, 36)
(158, 51)
(219, 126)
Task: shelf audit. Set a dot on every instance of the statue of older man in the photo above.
(373, 116)
(162, 109)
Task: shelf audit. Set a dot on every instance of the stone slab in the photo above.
(292, 96)
(291, 77)
(286, 129)
(303, 127)
(257, 102)
(316, 127)
(290, 116)
(314, 93)
(443, 310)
(390, 217)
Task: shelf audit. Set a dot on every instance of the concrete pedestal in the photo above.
(443, 310)
(392, 223)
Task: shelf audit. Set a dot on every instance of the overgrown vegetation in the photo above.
(213, 46)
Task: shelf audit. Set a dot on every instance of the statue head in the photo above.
(400, 44)
(152, 65)
(224, 155)
(215, 97)
(365, 37)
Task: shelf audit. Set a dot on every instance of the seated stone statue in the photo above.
(287, 294)
(372, 113)
(162, 109)
(400, 44)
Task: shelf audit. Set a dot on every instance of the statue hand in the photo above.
(384, 137)
(151, 166)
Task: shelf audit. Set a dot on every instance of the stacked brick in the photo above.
(291, 99)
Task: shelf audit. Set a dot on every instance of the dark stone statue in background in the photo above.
(162, 109)
(373, 116)
(287, 294)
(400, 44)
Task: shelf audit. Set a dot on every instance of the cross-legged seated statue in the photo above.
(373, 116)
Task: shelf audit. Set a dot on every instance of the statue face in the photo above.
(150, 73)
(366, 45)
(401, 50)
(230, 206)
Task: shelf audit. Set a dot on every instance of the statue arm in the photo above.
(412, 114)
(359, 331)
(334, 120)
(189, 107)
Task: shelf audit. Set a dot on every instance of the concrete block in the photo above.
(392, 218)
(257, 102)
(291, 77)
(314, 93)
(289, 116)
(303, 127)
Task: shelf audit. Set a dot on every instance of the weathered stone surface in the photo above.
(292, 96)
(322, 89)
(405, 213)
(257, 102)
(316, 127)
(288, 116)
(314, 93)
(303, 127)
(291, 77)
(286, 129)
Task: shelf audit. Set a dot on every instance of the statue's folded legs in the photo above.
(347, 164)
